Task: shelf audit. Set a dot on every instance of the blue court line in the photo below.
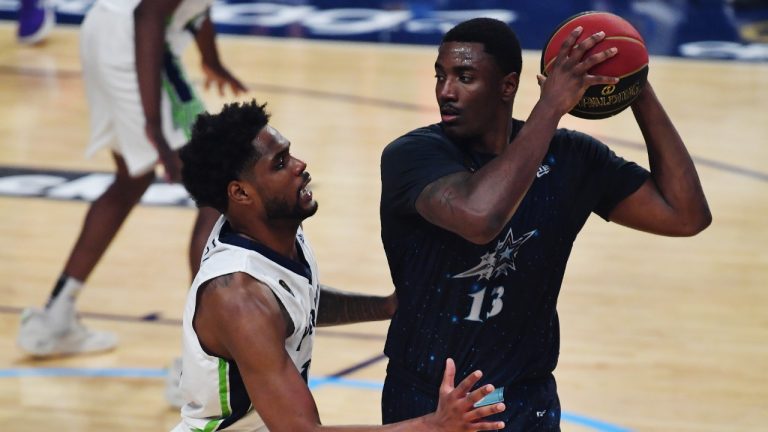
(81, 372)
(592, 423)
(314, 383)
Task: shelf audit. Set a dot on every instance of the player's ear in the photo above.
(509, 86)
(238, 192)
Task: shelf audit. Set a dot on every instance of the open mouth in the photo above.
(448, 113)
(305, 193)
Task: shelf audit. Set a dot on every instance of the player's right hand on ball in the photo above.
(569, 76)
(455, 408)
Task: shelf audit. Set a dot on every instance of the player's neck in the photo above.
(495, 140)
(280, 238)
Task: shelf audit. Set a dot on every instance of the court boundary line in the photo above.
(314, 383)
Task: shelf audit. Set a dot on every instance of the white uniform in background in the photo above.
(214, 393)
(107, 52)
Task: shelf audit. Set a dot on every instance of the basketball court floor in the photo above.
(658, 334)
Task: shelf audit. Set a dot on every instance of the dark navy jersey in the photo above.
(492, 306)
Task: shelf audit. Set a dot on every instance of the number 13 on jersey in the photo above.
(476, 312)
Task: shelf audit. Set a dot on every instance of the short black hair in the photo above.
(220, 148)
(498, 39)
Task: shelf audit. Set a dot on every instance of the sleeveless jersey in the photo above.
(215, 395)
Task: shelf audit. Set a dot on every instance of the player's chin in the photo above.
(310, 208)
(456, 130)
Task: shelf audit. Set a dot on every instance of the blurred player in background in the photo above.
(141, 108)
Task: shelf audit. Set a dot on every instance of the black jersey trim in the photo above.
(301, 268)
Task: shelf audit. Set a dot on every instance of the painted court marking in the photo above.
(314, 384)
(334, 379)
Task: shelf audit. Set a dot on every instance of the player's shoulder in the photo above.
(423, 140)
(432, 133)
(564, 139)
(569, 140)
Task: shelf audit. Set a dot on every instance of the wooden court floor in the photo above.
(658, 334)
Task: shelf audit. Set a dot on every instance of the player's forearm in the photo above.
(672, 168)
(500, 186)
(149, 31)
(205, 38)
(339, 307)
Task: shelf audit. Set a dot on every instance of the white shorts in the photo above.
(114, 101)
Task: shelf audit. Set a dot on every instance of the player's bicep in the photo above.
(252, 330)
(440, 201)
(645, 210)
(408, 166)
(446, 203)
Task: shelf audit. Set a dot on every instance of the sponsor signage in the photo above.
(734, 30)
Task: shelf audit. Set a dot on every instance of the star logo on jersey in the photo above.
(542, 171)
(499, 261)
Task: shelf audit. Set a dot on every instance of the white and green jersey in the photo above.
(108, 55)
(214, 392)
(185, 17)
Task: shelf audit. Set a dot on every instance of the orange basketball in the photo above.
(630, 64)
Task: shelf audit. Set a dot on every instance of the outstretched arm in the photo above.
(239, 318)
(672, 201)
(340, 307)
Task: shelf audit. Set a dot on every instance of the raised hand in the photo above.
(569, 76)
(455, 408)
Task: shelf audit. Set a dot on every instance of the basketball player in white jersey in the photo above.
(249, 320)
(141, 107)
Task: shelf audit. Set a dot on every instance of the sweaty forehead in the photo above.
(270, 141)
(461, 54)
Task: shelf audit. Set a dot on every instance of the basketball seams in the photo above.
(620, 34)
(630, 39)
(633, 72)
(625, 38)
(617, 76)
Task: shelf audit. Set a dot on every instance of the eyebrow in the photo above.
(459, 68)
(282, 152)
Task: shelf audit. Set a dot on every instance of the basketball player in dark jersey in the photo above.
(479, 213)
